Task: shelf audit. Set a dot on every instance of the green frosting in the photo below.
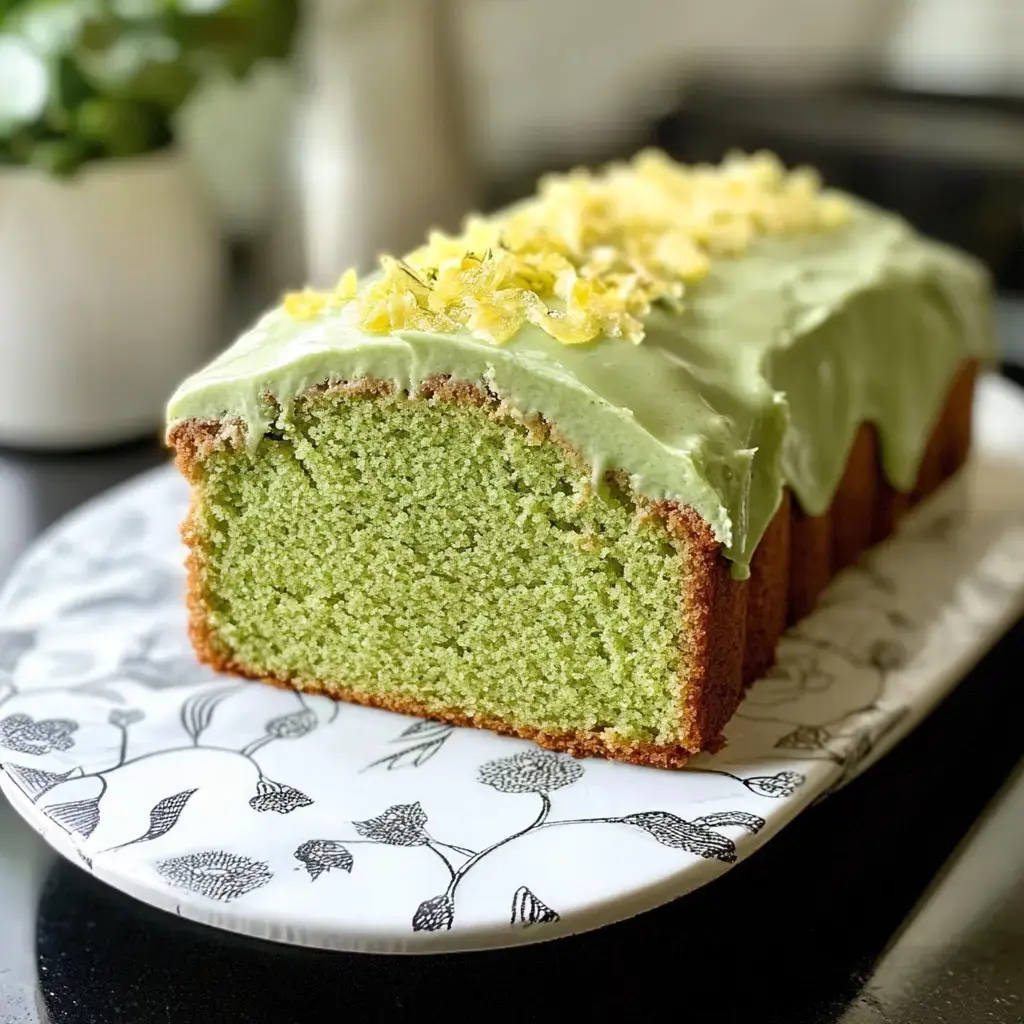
(760, 382)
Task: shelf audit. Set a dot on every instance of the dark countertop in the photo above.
(900, 899)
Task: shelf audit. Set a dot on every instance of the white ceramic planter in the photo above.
(110, 292)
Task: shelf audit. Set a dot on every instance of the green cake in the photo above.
(567, 475)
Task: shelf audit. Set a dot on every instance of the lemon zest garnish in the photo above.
(347, 286)
(305, 305)
(310, 303)
(589, 255)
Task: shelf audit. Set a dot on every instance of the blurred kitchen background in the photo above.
(168, 167)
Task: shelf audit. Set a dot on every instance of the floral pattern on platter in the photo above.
(215, 874)
(21, 733)
(535, 772)
(278, 813)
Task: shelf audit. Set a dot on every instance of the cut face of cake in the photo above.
(569, 474)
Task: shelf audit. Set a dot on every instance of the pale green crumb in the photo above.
(414, 548)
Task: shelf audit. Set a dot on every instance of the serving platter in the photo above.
(299, 820)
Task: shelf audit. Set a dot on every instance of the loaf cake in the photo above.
(568, 474)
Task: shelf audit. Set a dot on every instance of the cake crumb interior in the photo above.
(393, 546)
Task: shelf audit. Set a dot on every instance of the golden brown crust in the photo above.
(950, 439)
(891, 506)
(852, 512)
(714, 623)
(195, 440)
(810, 560)
(958, 419)
(930, 475)
(768, 594)
(730, 628)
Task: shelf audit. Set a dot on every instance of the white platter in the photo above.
(302, 821)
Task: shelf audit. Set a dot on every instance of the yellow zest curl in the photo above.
(589, 255)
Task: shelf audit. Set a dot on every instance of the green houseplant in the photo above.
(111, 258)
(84, 80)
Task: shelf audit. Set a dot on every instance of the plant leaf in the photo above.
(727, 819)
(399, 825)
(216, 874)
(125, 717)
(887, 655)
(293, 725)
(671, 830)
(411, 757)
(426, 727)
(34, 782)
(320, 855)
(426, 751)
(781, 784)
(164, 816)
(24, 83)
(197, 711)
(805, 737)
(434, 914)
(527, 909)
(79, 817)
(277, 797)
(857, 752)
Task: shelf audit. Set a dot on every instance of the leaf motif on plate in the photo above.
(216, 874)
(887, 655)
(197, 711)
(293, 725)
(781, 784)
(399, 825)
(124, 717)
(426, 727)
(530, 771)
(14, 645)
(527, 909)
(22, 733)
(899, 618)
(34, 782)
(805, 737)
(671, 830)
(78, 817)
(164, 816)
(411, 757)
(731, 819)
(320, 855)
(858, 750)
(434, 914)
(277, 797)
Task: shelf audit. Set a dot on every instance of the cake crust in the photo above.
(730, 628)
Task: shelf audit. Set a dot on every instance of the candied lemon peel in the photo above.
(587, 256)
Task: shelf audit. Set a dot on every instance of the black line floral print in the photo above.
(536, 773)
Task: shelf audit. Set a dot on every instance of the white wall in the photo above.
(560, 74)
(971, 46)
(547, 72)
